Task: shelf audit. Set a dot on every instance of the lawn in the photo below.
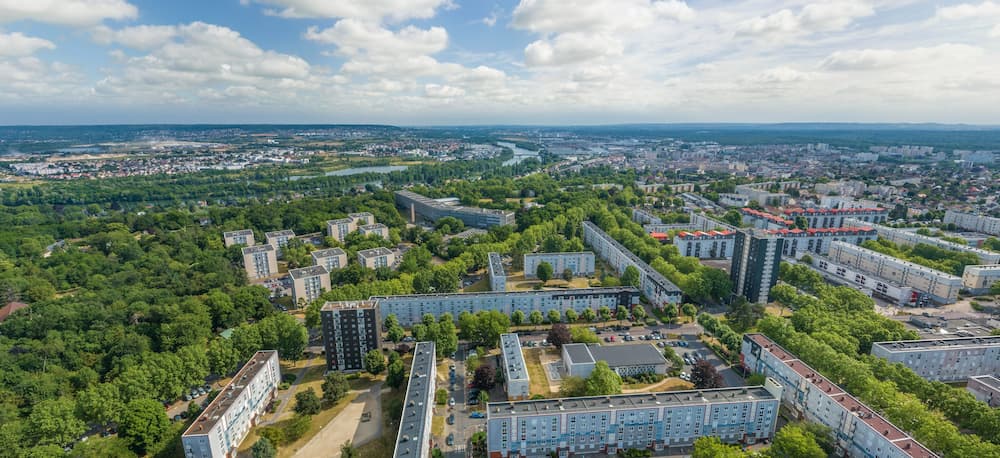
(437, 426)
(517, 282)
(536, 373)
(480, 286)
(384, 446)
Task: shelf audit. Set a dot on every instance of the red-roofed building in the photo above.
(764, 220)
(10, 308)
(706, 244)
(660, 236)
(834, 217)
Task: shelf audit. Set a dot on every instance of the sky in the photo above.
(454, 62)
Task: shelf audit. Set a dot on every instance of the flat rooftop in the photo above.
(628, 355)
(938, 344)
(627, 401)
(305, 272)
(371, 227)
(237, 233)
(988, 380)
(339, 221)
(221, 404)
(433, 203)
(511, 347)
(372, 252)
(419, 390)
(496, 266)
(560, 253)
(345, 305)
(359, 214)
(329, 252)
(257, 249)
(553, 292)
(578, 353)
(284, 233)
(899, 262)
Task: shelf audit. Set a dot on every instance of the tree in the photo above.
(544, 271)
(335, 387)
(483, 397)
(283, 333)
(484, 378)
(554, 316)
(733, 218)
(100, 404)
(263, 449)
(567, 274)
(143, 424)
(396, 374)
(571, 315)
(791, 441)
(995, 288)
(588, 315)
(712, 447)
(536, 317)
(307, 402)
(374, 362)
(621, 314)
(347, 450)
(743, 315)
(52, 422)
(572, 387)
(689, 309)
(704, 376)
(639, 311)
(584, 335)
(517, 318)
(395, 333)
(603, 381)
(559, 335)
(631, 276)
(605, 313)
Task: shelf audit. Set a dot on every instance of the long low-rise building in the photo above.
(985, 388)
(657, 289)
(430, 209)
(222, 426)
(414, 437)
(944, 360)
(972, 222)
(858, 431)
(764, 220)
(626, 360)
(581, 263)
(655, 421)
(943, 288)
(799, 242)
(901, 237)
(979, 279)
(706, 245)
(835, 217)
(873, 285)
(515, 371)
(644, 217)
(494, 267)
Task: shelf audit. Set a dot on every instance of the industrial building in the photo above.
(706, 245)
(498, 278)
(331, 258)
(581, 263)
(222, 426)
(979, 279)
(971, 222)
(910, 238)
(858, 431)
(942, 288)
(945, 359)
(308, 283)
(589, 426)
(763, 220)
(626, 360)
(243, 237)
(415, 204)
(414, 437)
(824, 218)
(515, 371)
(409, 309)
(657, 289)
(756, 258)
(986, 388)
(873, 285)
(260, 261)
(278, 239)
(350, 330)
(374, 258)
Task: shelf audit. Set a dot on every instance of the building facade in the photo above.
(873, 285)
(222, 426)
(330, 258)
(763, 220)
(799, 242)
(350, 330)
(986, 388)
(415, 204)
(706, 245)
(516, 380)
(498, 278)
(944, 360)
(626, 360)
(260, 261)
(414, 437)
(377, 257)
(834, 217)
(243, 237)
(278, 239)
(979, 279)
(901, 237)
(941, 287)
(339, 228)
(581, 263)
(971, 222)
(659, 421)
(308, 283)
(362, 218)
(756, 258)
(858, 430)
(644, 217)
(378, 229)
(657, 289)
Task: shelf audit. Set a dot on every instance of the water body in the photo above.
(520, 154)
(81, 149)
(355, 171)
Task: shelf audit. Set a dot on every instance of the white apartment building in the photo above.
(944, 360)
(331, 258)
(971, 222)
(942, 288)
(308, 283)
(222, 426)
(799, 242)
(979, 279)
(657, 289)
(498, 278)
(581, 263)
(516, 379)
(242, 237)
(378, 229)
(986, 388)
(901, 237)
(644, 217)
(377, 257)
(858, 430)
(626, 360)
(279, 239)
(835, 217)
(706, 245)
(414, 437)
(764, 220)
(260, 261)
(873, 285)
(603, 425)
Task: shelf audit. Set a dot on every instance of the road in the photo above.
(464, 426)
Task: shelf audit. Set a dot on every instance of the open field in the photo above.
(536, 372)
(383, 446)
(517, 282)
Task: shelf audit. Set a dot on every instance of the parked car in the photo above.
(477, 415)
(607, 339)
(451, 419)
(451, 402)
(451, 439)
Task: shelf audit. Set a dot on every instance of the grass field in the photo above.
(536, 373)
(480, 286)
(385, 445)
(517, 282)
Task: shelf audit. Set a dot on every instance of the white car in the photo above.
(685, 376)
(451, 402)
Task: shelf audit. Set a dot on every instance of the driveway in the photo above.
(347, 425)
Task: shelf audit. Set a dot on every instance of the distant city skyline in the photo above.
(455, 62)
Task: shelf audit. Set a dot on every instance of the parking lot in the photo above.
(459, 422)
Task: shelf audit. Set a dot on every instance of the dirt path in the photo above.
(347, 425)
(670, 382)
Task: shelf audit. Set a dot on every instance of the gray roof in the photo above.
(939, 344)
(628, 355)
(372, 252)
(515, 368)
(346, 305)
(578, 353)
(224, 401)
(496, 266)
(305, 272)
(329, 252)
(419, 398)
(369, 227)
(258, 249)
(339, 221)
(284, 233)
(237, 233)
(433, 203)
(988, 380)
(359, 214)
(654, 275)
(571, 292)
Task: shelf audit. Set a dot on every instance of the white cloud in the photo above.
(877, 59)
(66, 12)
(352, 36)
(443, 91)
(779, 75)
(585, 16)
(17, 44)
(995, 32)
(968, 10)
(812, 18)
(568, 48)
(374, 10)
(490, 20)
(142, 37)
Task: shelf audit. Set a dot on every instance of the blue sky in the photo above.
(420, 62)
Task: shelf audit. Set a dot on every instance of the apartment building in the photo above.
(910, 238)
(362, 218)
(657, 289)
(644, 217)
(409, 309)
(945, 359)
(762, 194)
(242, 237)
(799, 242)
(498, 278)
(972, 222)
(414, 437)
(756, 258)
(515, 371)
(581, 263)
(330, 258)
(279, 239)
(377, 257)
(308, 283)
(378, 229)
(873, 285)
(942, 288)
(339, 228)
(858, 430)
(626, 360)
(222, 426)
(700, 222)
(835, 217)
(664, 228)
(733, 200)
(979, 279)
(706, 245)
(350, 330)
(260, 261)
(659, 421)
(415, 204)
(986, 388)
(763, 220)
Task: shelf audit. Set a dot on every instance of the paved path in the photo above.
(347, 426)
(286, 395)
